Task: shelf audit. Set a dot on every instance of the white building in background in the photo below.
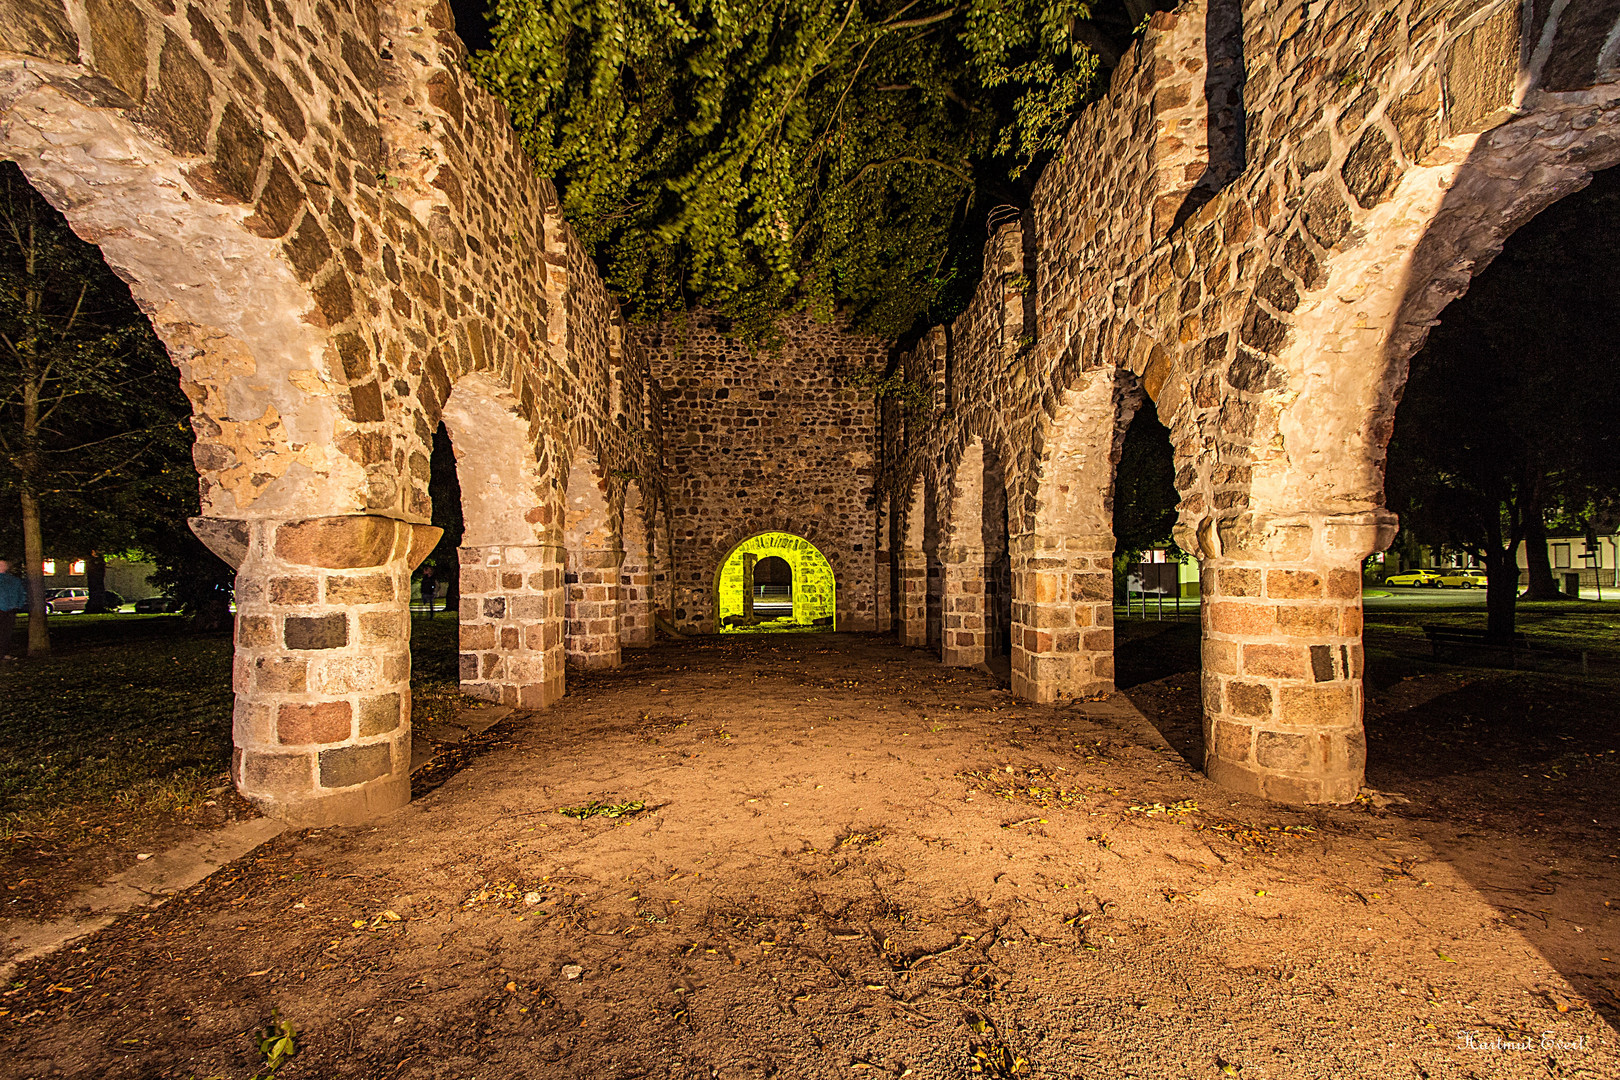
(126, 577)
(1589, 562)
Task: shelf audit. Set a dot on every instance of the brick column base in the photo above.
(323, 664)
(592, 614)
(1062, 622)
(635, 606)
(883, 606)
(1282, 669)
(512, 624)
(965, 641)
(913, 598)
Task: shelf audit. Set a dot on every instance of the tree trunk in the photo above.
(39, 637)
(1542, 585)
(1501, 589)
(95, 580)
(452, 585)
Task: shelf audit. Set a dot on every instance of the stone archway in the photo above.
(973, 554)
(1063, 647)
(511, 555)
(814, 596)
(911, 563)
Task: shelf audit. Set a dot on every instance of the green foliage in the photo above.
(763, 156)
(90, 408)
(1145, 494)
(277, 1042)
(912, 397)
(602, 809)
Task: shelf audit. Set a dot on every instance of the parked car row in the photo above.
(1445, 577)
(70, 601)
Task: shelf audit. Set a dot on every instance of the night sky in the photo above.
(471, 22)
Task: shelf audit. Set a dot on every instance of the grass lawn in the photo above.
(128, 722)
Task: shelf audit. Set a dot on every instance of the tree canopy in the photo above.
(95, 435)
(761, 156)
(1507, 421)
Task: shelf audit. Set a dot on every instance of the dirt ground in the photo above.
(850, 861)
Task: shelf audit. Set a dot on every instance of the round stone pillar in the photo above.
(323, 666)
(1063, 619)
(913, 568)
(963, 609)
(512, 624)
(592, 613)
(1282, 658)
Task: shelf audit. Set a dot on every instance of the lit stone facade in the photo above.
(1253, 231)
(773, 438)
(339, 240)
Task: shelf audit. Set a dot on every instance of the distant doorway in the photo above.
(773, 587)
(775, 581)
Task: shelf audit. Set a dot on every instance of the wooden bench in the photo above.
(1516, 648)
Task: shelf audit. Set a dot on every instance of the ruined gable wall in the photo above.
(766, 439)
(1270, 323)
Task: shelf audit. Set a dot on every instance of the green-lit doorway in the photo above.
(775, 581)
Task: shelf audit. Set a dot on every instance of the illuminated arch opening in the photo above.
(794, 569)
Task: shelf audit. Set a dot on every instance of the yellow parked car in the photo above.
(1462, 578)
(1426, 578)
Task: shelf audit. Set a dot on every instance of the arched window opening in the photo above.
(98, 481)
(776, 581)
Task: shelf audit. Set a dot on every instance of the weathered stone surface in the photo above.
(353, 765)
(226, 538)
(1481, 69)
(1370, 170)
(317, 632)
(326, 722)
(337, 543)
(38, 28)
(180, 103)
(118, 39)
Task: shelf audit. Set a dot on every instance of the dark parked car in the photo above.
(157, 605)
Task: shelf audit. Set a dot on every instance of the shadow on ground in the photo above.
(823, 857)
(1508, 775)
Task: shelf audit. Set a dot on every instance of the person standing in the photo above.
(430, 588)
(13, 598)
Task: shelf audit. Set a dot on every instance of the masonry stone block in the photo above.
(354, 765)
(316, 631)
(323, 722)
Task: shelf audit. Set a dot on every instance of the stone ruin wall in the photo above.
(340, 241)
(333, 229)
(1266, 303)
(766, 438)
